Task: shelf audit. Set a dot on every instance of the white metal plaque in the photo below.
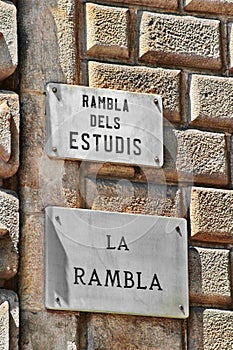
(114, 262)
(104, 125)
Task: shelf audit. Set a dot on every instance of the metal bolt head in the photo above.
(156, 159)
(54, 149)
(54, 89)
(156, 101)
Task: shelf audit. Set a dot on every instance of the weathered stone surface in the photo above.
(120, 332)
(209, 274)
(230, 48)
(217, 330)
(8, 39)
(182, 40)
(106, 169)
(31, 284)
(169, 4)
(211, 6)
(211, 102)
(106, 31)
(164, 82)
(9, 219)
(4, 326)
(43, 330)
(131, 197)
(195, 330)
(211, 215)
(12, 299)
(202, 155)
(9, 134)
(50, 53)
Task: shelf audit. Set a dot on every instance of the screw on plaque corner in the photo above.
(178, 230)
(54, 89)
(156, 159)
(181, 309)
(156, 102)
(54, 149)
(57, 218)
(58, 301)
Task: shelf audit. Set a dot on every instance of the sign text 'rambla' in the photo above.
(116, 278)
(109, 143)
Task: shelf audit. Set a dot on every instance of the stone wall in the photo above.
(9, 163)
(181, 50)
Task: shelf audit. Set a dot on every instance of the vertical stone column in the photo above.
(47, 32)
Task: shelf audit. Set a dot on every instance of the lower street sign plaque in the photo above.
(100, 261)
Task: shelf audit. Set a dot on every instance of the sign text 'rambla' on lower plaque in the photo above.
(114, 262)
(104, 125)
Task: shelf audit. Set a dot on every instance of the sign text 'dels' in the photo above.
(104, 125)
(115, 262)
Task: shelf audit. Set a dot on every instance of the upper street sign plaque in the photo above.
(104, 125)
(115, 262)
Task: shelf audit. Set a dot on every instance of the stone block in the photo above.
(53, 331)
(12, 299)
(106, 31)
(211, 215)
(169, 4)
(9, 219)
(9, 134)
(120, 332)
(8, 39)
(31, 283)
(211, 102)
(230, 48)
(55, 57)
(195, 329)
(209, 273)
(210, 6)
(217, 329)
(132, 197)
(4, 326)
(164, 82)
(182, 40)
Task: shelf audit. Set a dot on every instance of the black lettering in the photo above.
(138, 151)
(97, 137)
(109, 243)
(128, 278)
(78, 276)
(101, 101)
(108, 126)
(123, 244)
(93, 102)
(139, 281)
(85, 101)
(72, 140)
(117, 123)
(157, 284)
(119, 144)
(128, 145)
(116, 107)
(87, 146)
(125, 106)
(108, 148)
(116, 276)
(94, 279)
(101, 121)
(109, 103)
(93, 120)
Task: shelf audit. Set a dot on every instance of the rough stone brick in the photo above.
(9, 134)
(53, 331)
(195, 330)
(211, 6)
(202, 155)
(131, 197)
(230, 28)
(209, 273)
(31, 283)
(164, 82)
(217, 330)
(211, 215)
(120, 332)
(9, 219)
(106, 169)
(182, 40)
(4, 326)
(211, 102)
(106, 31)
(8, 39)
(12, 299)
(169, 4)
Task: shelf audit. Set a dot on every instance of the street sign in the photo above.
(104, 125)
(115, 262)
